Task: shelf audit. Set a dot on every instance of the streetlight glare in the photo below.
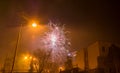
(61, 68)
(25, 57)
(30, 57)
(34, 24)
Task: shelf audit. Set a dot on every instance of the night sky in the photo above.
(87, 20)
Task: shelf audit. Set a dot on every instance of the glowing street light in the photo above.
(61, 68)
(34, 24)
(17, 44)
(25, 57)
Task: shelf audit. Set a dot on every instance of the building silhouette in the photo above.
(103, 57)
(110, 63)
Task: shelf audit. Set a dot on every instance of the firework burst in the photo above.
(56, 41)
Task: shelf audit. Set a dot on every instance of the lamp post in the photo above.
(34, 24)
(16, 47)
(17, 44)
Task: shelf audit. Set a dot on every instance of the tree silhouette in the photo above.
(42, 59)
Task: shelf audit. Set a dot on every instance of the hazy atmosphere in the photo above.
(87, 21)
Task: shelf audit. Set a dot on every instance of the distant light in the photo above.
(34, 59)
(34, 25)
(25, 57)
(30, 57)
(61, 68)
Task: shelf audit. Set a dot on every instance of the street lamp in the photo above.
(16, 47)
(17, 44)
(25, 57)
(34, 24)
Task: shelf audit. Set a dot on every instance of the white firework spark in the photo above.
(56, 41)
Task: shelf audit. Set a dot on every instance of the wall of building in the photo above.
(79, 59)
(104, 48)
(93, 53)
